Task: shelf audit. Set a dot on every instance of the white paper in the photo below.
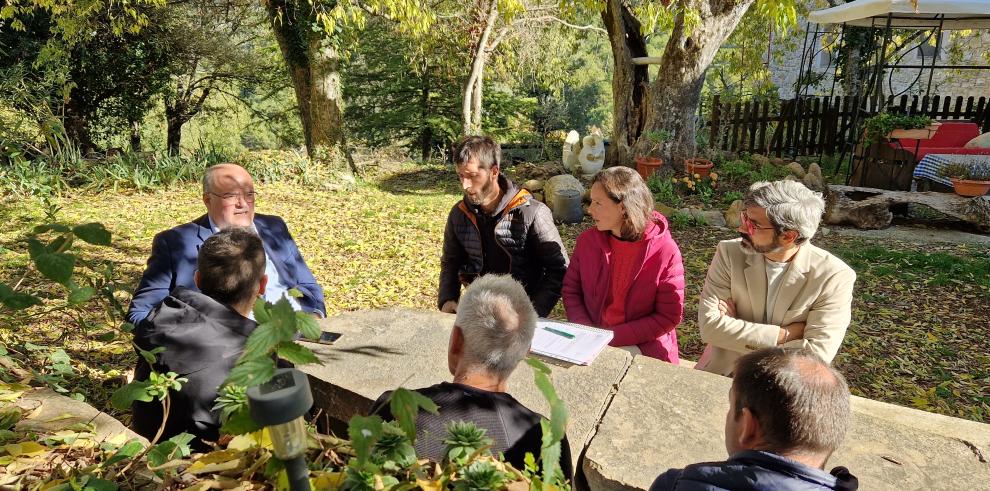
(582, 349)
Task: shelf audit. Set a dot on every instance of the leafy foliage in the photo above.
(878, 127)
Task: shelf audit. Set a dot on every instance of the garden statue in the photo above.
(592, 154)
(572, 146)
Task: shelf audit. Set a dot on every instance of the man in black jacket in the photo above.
(788, 411)
(203, 334)
(491, 336)
(498, 228)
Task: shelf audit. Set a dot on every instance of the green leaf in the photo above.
(283, 318)
(94, 233)
(175, 447)
(128, 450)
(364, 432)
(36, 248)
(56, 266)
(123, 397)
(261, 315)
(558, 420)
(294, 293)
(240, 423)
(92, 483)
(60, 243)
(252, 372)
(9, 418)
(405, 405)
(308, 325)
(296, 354)
(106, 336)
(16, 300)
(261, 342)
(151, 356)
(81, 295)
(58, 227)
(550, 460)
(127, 327)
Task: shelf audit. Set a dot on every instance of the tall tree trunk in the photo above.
(77, 128)
(173, 133)
(471, 102)
(629, 82)
(314, 66)
(425, 133)
(676, 92)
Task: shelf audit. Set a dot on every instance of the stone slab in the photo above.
(381, 350)
(54, 406)
(665, 416)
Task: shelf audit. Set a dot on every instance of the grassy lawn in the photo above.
(920, 317)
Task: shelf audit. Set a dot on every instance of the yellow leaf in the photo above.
(119, 439)
(29, 449)
(60, 417)
(333, 480)
(242, 442)
(428, 485)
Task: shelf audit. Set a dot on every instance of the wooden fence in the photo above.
(814, 125)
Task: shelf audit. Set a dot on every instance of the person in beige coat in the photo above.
(771, 286)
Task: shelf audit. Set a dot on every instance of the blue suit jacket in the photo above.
(173, 261)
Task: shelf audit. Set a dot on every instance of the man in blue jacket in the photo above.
(228, 193)
(788, 411)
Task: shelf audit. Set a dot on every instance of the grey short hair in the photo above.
(497, 320)
(790, 205)
(801, 403)
(208, 175)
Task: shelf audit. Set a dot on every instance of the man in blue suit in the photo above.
(228, 193)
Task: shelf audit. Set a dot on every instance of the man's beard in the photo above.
(747, 242)
(478, 198)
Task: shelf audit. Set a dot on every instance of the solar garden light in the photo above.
(280, 405)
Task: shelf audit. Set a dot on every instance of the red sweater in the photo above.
(625, 255)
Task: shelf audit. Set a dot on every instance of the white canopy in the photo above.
(921, 14)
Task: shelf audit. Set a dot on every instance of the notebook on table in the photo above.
(569, 342)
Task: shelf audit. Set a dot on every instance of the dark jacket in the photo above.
(202, 339)
(513, 428)
(173, 262)
(753, 470)
(527, 235)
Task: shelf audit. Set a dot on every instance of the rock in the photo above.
(796, 170)
(778, 161)
(54, 405)
(760, 159)
(815, 169)
(384, 349)
(533, 185)
(790, 177)
(732, 214)
(869, 208)
(713, 218)
(664, 210)
(553, 186)
(824, 231)
(813, 181)
(591, 158)
(651, 427)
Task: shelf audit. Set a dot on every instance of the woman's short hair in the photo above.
(624, 185)
(790, 205)
(231, 263)
(497, 319)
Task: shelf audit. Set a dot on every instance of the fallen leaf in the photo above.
(29, 449)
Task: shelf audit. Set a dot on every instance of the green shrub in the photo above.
(664, 189)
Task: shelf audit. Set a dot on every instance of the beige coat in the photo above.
(816, 289)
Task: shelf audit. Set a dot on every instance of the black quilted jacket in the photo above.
(525, 230)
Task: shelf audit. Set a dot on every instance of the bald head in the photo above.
(801, 403)
(228, 193)
(497, 320)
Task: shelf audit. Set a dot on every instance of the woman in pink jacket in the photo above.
(626, 273)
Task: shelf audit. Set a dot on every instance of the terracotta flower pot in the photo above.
(970, 188)
(699, 166)
(916, 134)
(647, 166)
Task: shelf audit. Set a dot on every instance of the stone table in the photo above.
(665, 416)
(381, 350)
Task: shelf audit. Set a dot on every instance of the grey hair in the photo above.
(208, 174)
(790, 205)
(497, 320)
(801, 403)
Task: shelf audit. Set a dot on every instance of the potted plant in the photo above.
(647, 165)
(968, 180)
(888, 125)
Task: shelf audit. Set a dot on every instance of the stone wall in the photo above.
(635, 417)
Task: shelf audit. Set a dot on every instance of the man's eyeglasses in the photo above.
(231, 198)
(751, 227)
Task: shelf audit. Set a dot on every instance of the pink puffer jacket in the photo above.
(655, 302)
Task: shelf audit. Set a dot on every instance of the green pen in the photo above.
(559, 332)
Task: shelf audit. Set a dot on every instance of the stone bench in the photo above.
(668, 416)
(636, 417)
(384, 349)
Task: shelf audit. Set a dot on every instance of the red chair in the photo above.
(950, 138)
